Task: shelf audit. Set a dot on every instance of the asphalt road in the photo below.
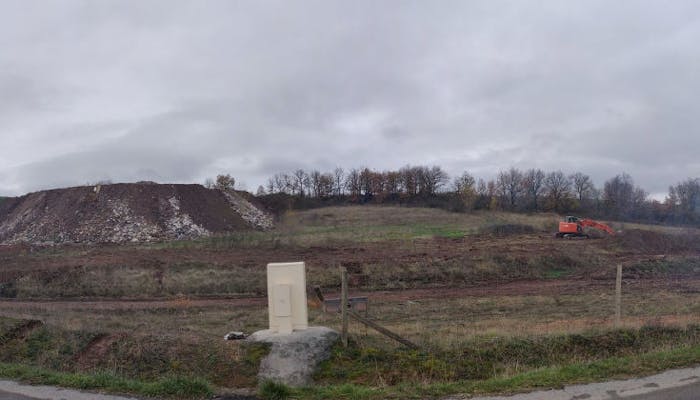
(688, 392)
(685, 392)
(11, 396)
(10, 390)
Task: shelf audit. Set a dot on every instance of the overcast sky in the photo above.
(177, 91)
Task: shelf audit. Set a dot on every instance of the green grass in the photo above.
(270, 390)
(540, 378)
(362, 224)
(132, 356)
(483, 357)
(546, 362)
(170, 387)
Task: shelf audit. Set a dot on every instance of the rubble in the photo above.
(121, 213)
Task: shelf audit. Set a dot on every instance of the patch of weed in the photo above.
(270, 390)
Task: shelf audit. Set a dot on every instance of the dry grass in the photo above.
(436, 322)
(440, 324)
(445, 323)
(377, 223)
(622, 226)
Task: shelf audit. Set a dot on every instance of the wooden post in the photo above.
(344, 304)
(618, 296)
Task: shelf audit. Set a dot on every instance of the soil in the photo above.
(20, 259)
(95, 350)
(134, 212)
(517, 288)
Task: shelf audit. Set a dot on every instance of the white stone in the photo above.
(294, 358)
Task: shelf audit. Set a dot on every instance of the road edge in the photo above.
(54, 393)
(617, 389)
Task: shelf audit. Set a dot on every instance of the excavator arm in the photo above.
(597, 225)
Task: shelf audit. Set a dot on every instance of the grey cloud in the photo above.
(178, 91)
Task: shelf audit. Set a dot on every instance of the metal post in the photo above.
(344, 304)
(618, 296)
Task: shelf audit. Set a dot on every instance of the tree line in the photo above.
(531, 190)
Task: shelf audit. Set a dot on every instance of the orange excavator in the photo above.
(573, 227)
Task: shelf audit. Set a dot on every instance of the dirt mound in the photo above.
(136, 212)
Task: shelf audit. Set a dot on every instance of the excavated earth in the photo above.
(119, 213)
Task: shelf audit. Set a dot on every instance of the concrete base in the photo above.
(294, 358)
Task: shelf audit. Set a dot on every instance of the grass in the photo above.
(478, 359)
(131, 355)
(270, 390)
(403, 248)
(362, 224)
(369, 369)
(481, 342)
(548, 377)
(169, 387)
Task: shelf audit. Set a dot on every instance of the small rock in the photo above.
(235, 336)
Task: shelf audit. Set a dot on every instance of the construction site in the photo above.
(485, 297)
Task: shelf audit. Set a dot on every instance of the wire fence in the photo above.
(444, 316)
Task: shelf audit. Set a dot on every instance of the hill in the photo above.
(128, 212)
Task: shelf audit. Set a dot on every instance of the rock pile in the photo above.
(137, 212)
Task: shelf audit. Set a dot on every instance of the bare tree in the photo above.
(338, 179)
(366, 182)
(558, 188)
(282, 183)
(464, 181)
(392, 181)
(464, 187)
(431, 180)
(300, 182)
(619, 196)
(510, 186)
(409, 180)
(326, 185)
(583, 186)
(684, 198)
(352, 182)
(315, 183)
(533, 185)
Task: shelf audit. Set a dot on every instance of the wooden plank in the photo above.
(382, 330)
(355, 303)
(319, 295)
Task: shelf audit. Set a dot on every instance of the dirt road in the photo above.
(517, 288)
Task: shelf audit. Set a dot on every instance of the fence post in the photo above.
(344, 304)
(618, 296)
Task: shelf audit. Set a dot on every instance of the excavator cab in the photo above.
(570, 227)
